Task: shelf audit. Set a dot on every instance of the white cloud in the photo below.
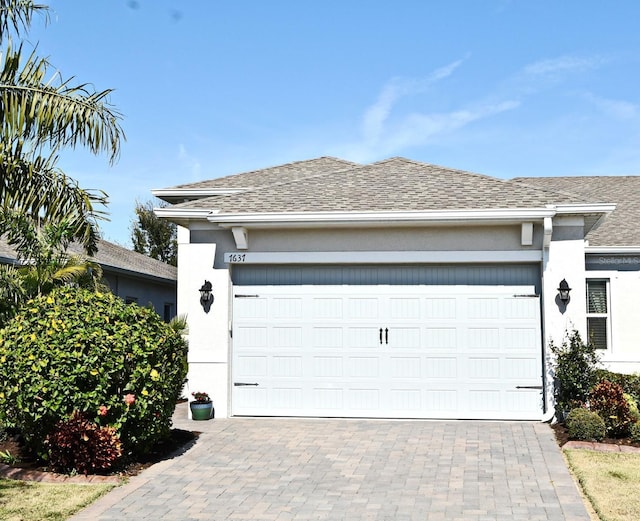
(386, 131)
(420, 129)
(376, 115)
(191, 163)
(561, 64)
(618, 109)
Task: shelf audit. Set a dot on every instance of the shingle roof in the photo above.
(114, 257)
(622, 227)
(395, 184)
(266, 176)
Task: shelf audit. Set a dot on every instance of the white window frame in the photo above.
(607, 315)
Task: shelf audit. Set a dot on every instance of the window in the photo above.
(168, 311)
(598, 312)
(131, 300)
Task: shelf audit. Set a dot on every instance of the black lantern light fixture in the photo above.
(205, 290)
(563, 291)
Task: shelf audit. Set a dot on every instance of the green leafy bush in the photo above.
(574, 368)
(585, 425)
(607, 399)
(629, 382)
(82, 445)
(119, 365)
(634, 413)
(635, 433)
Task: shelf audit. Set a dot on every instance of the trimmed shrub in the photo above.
(635, 433)
(585, 425)
(607, 399)
(575, 371)
(119, 365)
(78, 444)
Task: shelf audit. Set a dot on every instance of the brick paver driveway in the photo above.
(305, 469)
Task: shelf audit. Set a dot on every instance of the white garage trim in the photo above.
(383, 257)
(387, 351)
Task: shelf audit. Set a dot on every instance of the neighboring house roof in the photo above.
(622, 226)
(395, 184)
(113, 258)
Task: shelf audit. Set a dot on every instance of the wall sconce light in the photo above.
(206, 295)
(563, 291)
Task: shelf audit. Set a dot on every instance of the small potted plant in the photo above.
(201, 406)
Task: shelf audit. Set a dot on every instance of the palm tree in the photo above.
(43, 262)
(40, 113)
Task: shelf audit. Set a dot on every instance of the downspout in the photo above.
(548, 412)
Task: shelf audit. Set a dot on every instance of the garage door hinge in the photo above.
(246, 296)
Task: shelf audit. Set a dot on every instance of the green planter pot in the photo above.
(201, 410)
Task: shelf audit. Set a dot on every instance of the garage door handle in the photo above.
(386, 335)
(243, 384)
(528, 387)
(380, 335)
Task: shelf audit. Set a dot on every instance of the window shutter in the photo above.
(597, 329)
(597, 296)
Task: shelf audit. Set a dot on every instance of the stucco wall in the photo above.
(208, 326)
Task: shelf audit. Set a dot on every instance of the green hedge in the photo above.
(629, 382)
(74, 350)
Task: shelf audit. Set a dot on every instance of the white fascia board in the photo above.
(613, 250)
(181, 213)
(605, 208)
(194, 193)
(381, 218)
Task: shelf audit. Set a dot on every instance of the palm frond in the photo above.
(16, 15)
(52, 111)
(36, 190)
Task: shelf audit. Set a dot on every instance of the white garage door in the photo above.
(387, 351)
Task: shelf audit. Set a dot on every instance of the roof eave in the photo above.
(175, 195)
(307, 219)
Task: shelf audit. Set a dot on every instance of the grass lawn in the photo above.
(28, 501)
(611, 482)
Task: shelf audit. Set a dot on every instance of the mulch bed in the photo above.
(28, 468)
(562, 437)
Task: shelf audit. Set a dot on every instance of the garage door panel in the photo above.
(362, 308)
(440, 308)
(364, 367)
(483, 339)
(367, 337)
(327, 308)
(327, 337)
(251, 337)
(327, 367)
(406, 367)
(441, 338)
(441, 368)
(405, 352)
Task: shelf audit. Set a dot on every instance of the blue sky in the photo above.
(213, 87)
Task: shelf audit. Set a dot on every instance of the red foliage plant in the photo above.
(608, 400)
(78, 444)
